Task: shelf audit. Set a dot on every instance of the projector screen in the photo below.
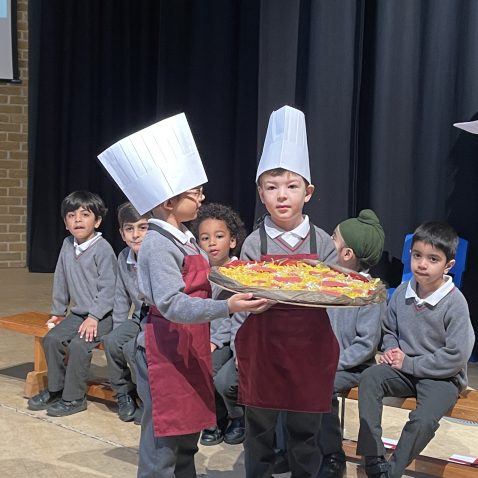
(8, 40)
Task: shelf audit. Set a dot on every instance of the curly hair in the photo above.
(224, 213)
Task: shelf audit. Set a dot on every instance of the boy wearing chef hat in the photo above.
(287, 356)
(359, 242)
(159, 170)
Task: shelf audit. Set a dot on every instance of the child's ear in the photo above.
(449, 265)
(260, 191)
(309, 190)
(232, 243)
(98, 222)
(121, 233)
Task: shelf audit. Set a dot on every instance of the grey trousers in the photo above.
(330, 434)
(303, 452)
(225, 383)
(434, 399)
(64, 340)
(119, 351)
(165, 457)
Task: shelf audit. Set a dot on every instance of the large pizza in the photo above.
(299, 282)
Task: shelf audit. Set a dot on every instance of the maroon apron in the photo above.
(288, 355)
(179, 362)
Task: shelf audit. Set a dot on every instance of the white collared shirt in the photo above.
(432, 299)
(292, 238)
(80, 248)
(131, 259)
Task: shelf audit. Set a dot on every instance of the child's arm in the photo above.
(122, 300)
(60, 294)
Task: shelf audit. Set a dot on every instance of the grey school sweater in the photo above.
(87, 281)
(437, 340)
(358, 331)
(127, 291)
(160, 281)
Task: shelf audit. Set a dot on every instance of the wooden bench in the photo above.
(33, 323)
(466, 408)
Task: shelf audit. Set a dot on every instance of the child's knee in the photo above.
(78, 348)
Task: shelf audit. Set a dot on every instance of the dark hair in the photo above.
(438, 234)
(90, 201)
(279, 172)
(224, 213)
(128, 213)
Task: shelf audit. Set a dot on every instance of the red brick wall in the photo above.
(14, 154)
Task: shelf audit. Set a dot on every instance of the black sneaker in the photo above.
(281, 463)
(235, 432)
(43, 400)
(63, 408)
(138, 415)
(333, 466)
(126, 407)
(211, 436)
(377, 467)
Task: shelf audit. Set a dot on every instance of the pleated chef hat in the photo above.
(285, 145)
(156, 163)
(470, 126)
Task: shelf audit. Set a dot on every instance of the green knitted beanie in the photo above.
(364, 235)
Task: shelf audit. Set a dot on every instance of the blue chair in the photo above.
(456, 271)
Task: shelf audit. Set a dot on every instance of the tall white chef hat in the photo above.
(470, 126)
(156, 163)
(285, 145)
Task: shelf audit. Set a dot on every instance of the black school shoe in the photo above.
(377, 467)
(126, 407)
(281, 463)
(211, 436)
(43, 400)
(235, 432)
(63, 408)
(333, 466)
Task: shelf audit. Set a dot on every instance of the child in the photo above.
(83, 291)
(159, 169)
(119, 343)
(287, 356)
(221, 232)
(427, 341)
(359, 243)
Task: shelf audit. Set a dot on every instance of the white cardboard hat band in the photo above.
(470, 126)
(156, 163)
(285, 145)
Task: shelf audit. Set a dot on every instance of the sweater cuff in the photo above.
(407, 366)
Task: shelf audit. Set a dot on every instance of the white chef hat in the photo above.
(285, 145)
(156, 163)
(470, 126)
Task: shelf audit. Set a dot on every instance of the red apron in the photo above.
(287, 357)
(179, 363)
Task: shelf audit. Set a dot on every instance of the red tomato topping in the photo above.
(330, 283)
(287, 279)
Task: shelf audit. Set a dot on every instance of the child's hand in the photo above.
(245, 303)
(54, 320)
(89, 329)
(387, 357)
(398, 357)
(213, 347)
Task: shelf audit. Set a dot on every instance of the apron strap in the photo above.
(263, 237)
(168, 235)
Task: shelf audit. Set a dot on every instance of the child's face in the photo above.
(340, 247)
(133, 233)
(215, 238)
(428, 264)
(82, 224)
(284, 197)
(187, 204)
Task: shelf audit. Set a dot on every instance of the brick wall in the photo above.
(14, 154)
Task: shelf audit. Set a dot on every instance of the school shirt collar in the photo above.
(432, 299)
(131, 259)
(80, 248)
(290, 237)
(183, 235)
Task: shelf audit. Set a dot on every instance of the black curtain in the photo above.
(380, 82)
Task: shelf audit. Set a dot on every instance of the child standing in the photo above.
(160, 170)
(83, 291)
(119, 343)
(428, 338)
(221, 232)
(287, 356)
(359, 243)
